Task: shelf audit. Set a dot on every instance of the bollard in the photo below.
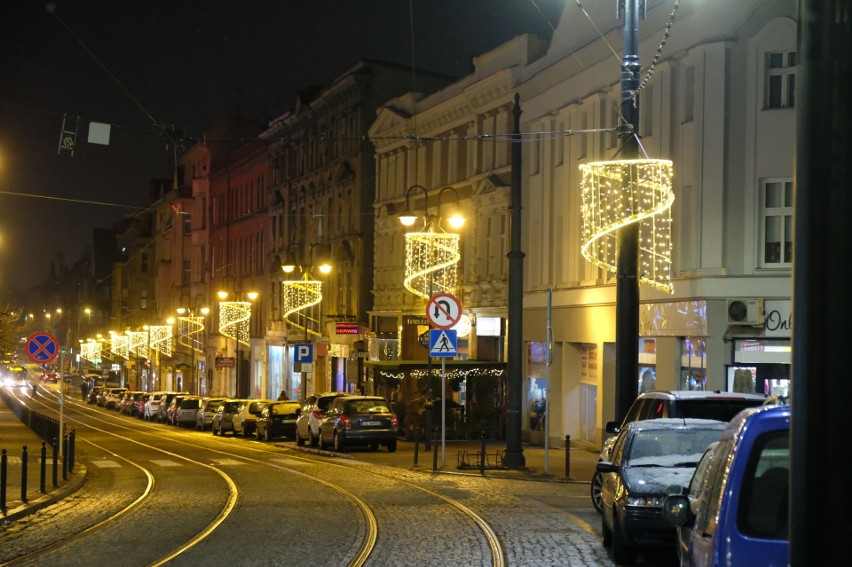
(482, 452)
(43, 466)
(24, 459)
(567, 456)
(3, 481)
(55, 461)
(435, 450)
(416, 443)
(65, 457)
(72, 436)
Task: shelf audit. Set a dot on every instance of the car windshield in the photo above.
(283, 409)
(670, 447)
(189, 404)
(367, 406)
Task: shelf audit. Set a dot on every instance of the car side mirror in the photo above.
(612, 427)
(298, 411)
(676, 510)
(605, 467)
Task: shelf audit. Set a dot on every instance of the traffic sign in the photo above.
(304, 352)
(42, 348)
(225, 362)
(443, 310)
(443, 342)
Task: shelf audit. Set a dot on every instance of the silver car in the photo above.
(205, 413)
(186, 411)
(313, 412)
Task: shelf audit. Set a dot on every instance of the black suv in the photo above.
(654, 404)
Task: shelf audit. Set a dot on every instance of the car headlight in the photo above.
(645, 501)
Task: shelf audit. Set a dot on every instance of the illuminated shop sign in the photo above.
(346, 328)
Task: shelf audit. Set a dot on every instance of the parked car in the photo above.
(223, 419)
(94, 393)
(165, 403)
(206, 411)
(245, 421)
(128, 401)
(648, 458)
(49, 377)
(186, 410)
(654, 404)
(313, 412)
(139, 405)
(113, 397)
(152, 406)
(174, 406)
(736, 508)
(278, 419)
(359, 420)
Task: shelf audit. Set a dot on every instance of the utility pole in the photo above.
(514, 458)
(627, 277)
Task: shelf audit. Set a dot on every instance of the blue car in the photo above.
(736, 508)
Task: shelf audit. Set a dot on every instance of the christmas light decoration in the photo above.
(120, 346)
(618, 193)
(298, 295)
(234, 318)
(190, 332)
(137, 343)
(161, 339)
(431, 260)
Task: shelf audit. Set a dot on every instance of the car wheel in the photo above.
(374, 446)
(299, 441)
(607, 533)
(213, 429)
(596, 487)
(337, 442)
(315, 441)
(391, 445)
(267, 436)
(622, 553)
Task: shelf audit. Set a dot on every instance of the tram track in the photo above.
(367, 545)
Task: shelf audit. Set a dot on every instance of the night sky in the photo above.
(133, 64)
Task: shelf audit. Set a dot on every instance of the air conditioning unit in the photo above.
(748, 312)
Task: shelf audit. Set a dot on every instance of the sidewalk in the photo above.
(462, 457)
(14, 435)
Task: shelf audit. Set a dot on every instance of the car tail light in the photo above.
(345, 421)
(394, 421)
(318, 414)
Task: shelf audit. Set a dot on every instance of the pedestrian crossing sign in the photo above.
(443, 342)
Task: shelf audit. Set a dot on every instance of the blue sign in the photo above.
(304, 352)
(42, 348)
(443, 342)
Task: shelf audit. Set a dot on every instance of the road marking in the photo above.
(227, 462)
(165, 463)
(106, 464)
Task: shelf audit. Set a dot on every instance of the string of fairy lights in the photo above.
(296, 297)
(618, 193)
(431, 260)
(234, 318)
(160, 339)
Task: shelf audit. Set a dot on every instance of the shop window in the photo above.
(693, 364)
(647, 379)
(777, 223)
(538, 384)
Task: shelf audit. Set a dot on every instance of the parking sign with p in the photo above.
(304, 352)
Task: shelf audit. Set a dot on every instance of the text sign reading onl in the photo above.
(304, 352)
(42, 348)
(443, 310)
(443, 342)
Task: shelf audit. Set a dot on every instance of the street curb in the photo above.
(71, 486)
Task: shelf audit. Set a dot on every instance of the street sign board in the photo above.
(225, 362)
(443, 310)
(304, 352)
(443, 342)
(42, 348)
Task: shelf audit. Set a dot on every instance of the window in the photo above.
(187, 223)
(777, 212)
(689, 95)
(187, 271)
(780, 89)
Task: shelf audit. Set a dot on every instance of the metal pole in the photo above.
(61, 401)
(547, 375)
(627, 281)
(443, 412)
(514, 452)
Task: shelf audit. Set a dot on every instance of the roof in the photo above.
(677, 423)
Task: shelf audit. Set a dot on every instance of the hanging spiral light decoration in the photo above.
(431, 260)
(190, 332)
(234, 318)
(137, 343)
(296, 297)
(120, 346)
(618, 193)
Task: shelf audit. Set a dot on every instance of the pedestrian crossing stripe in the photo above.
(443, 342)
(106, 464)
(227, 462)
(165, 463)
